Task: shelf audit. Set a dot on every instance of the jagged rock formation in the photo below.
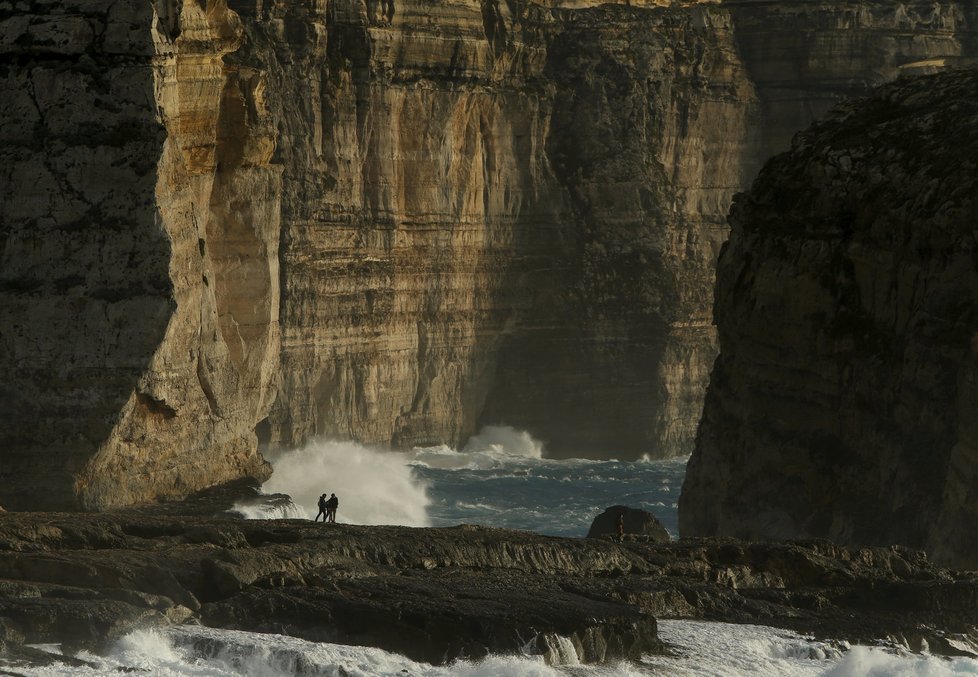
(844, 400)
(435, 594)
(229, 225)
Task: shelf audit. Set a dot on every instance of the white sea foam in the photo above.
(714, 649)
(726, 650)
(493, 447)
(864, 661)
(192, 651)
(506, 440)
(376, 486)
(269, 507)
(373, 486)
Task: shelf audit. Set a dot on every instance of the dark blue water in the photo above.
(558, 498)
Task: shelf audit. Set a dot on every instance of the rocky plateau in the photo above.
(85, 579)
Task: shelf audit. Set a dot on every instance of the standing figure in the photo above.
(322, 509)
(331, 505)
(621, 527)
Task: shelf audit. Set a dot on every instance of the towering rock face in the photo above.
(83, 251)
(506, 214)
(230, 225)
(139, 281)
(844, 400)
(649, 132)
(512, 223)
(190, 419)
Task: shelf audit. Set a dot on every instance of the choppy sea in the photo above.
(501, 478)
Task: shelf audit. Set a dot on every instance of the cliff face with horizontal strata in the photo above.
(514, 222)
(233, 225)
(847, 306)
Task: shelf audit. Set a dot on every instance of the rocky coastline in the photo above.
(437, 594)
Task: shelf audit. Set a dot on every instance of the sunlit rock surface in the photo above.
(228, 225)
(844, 401)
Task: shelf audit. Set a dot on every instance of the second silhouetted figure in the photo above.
(331, 505)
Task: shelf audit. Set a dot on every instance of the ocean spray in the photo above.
(373, 486)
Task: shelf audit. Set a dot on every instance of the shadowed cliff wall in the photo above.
(139, 283)
(81, 247)
(843, 402)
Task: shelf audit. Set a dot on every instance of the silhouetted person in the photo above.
(621, 527)
(322, 509)
(331, 505)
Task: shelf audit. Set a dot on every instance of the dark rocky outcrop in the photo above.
(433, 594)
(844, 401)
(640, 523)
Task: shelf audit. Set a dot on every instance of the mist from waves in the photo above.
(698, 649)
(374, 486)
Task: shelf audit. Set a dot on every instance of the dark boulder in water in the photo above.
(638, 522)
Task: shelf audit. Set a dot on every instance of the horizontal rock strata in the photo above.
(844, 401)
(229, 226)
(434, 594)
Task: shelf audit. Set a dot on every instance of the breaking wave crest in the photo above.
(373, 486)
(192, 651)
(492, 447)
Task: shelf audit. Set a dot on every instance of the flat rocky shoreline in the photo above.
(435, 594)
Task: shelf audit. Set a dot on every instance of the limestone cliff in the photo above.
(230, 225)
(506, 214)
(514, 222)
(140, 284)
(843, 403)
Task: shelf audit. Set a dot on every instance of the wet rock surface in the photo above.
(436, 594)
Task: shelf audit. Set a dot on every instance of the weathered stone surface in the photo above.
(140, 285)
(509, 214)
(434, 594)
(229, 225)
(83, 253)
(843, 404)
(637, 522)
